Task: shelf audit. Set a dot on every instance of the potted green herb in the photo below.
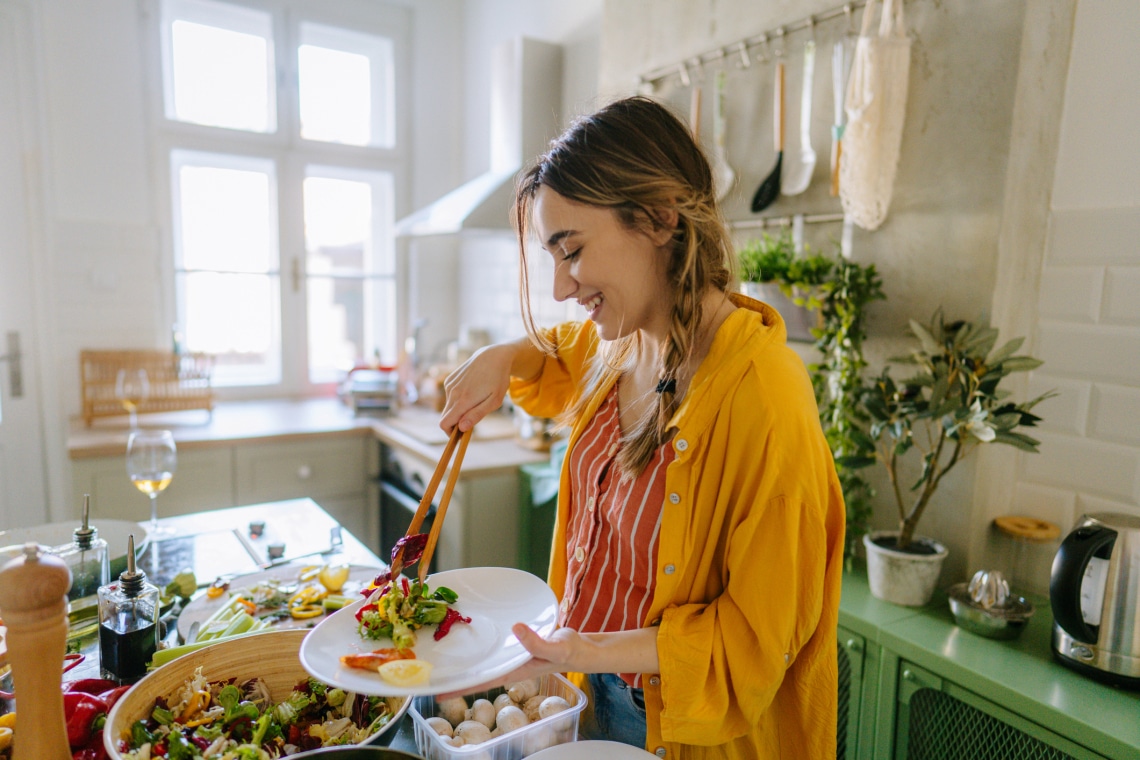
(771, 272)
(951, 405)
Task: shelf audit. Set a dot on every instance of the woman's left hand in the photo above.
(553, 655)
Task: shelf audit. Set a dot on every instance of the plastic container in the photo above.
(547, 732)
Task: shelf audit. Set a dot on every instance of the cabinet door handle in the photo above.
(304, 472)
(908, 675)
(853, 646)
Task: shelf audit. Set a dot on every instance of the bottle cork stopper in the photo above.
(33, 597)
(1027, 528)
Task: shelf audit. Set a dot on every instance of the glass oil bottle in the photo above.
(128, 623)
(89, 562)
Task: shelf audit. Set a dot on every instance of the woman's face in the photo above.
(616, 274)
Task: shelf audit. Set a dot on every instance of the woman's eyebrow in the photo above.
(558, 237)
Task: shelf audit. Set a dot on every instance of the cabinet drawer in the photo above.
(328, 467)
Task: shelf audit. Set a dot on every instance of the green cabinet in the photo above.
(915, 686)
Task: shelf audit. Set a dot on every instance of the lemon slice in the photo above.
(333, 577)
(406, 673)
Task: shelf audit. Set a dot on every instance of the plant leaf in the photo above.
(929, 345)
(1023, 442)
(1020, 364)
(1004, 352)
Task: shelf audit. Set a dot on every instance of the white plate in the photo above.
(495, 598)
(596, 750)
(202, 607)
(51, 535)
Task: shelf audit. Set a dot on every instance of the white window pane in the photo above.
(338, 224)
(346, 86)
(335, 94)
(225, 219)
(350, 320)
(234, 317)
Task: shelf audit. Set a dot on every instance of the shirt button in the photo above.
(614, 449)
(654, 681)
(682, 445)
(787, 658)
(565, 604)
(579, 554)
(660, 752)
(669, 569)
(674, 498)
(590, 504)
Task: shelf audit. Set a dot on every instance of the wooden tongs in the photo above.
(457, 439)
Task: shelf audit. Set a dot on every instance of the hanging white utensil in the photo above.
(799, 177)
(723, 175)
(840, 68)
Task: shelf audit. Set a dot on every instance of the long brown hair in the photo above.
(636, 157)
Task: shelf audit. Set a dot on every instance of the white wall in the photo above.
(1086, 325)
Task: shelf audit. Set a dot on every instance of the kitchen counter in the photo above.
(415, 429)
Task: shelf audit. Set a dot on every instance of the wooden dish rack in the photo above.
(177, 381)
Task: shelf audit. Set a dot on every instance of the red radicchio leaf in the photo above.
(449, 619)
(413, 546)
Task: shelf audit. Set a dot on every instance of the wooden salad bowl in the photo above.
(271, 656)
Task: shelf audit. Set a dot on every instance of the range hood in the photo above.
(526, 98)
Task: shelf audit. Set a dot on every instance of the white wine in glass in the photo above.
(152, 459)
(132, 387)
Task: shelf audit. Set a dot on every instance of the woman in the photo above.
(698, 545)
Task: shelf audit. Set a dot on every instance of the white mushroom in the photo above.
(510, 718)
(523, 690)
(454, 710)
(530, 707)
(440, 726)
(501, 701)
(452, 741)
(473, 732)
(552, 706)
(482, 711)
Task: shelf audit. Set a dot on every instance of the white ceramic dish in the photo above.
(201, 608)
(595, 750)
(495, 598)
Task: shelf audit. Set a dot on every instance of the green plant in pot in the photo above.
(950, 405)
(834, 294)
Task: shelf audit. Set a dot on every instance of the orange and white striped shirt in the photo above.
(612, 533)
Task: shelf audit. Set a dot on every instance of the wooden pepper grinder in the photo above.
(33, 596)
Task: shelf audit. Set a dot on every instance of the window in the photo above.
(279, 135)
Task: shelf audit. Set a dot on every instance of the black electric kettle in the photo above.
(1094, 590)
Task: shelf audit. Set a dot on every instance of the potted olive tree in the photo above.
(950, 405)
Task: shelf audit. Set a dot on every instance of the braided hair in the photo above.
(635, 157)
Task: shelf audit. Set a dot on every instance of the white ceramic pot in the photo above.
(902, 577)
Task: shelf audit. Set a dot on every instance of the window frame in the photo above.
(291, 154)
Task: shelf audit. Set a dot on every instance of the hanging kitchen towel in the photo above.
(876, 108)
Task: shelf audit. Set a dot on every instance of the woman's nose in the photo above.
(565, 286)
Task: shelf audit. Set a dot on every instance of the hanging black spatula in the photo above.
(770, 188)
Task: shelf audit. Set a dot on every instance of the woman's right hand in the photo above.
(478, 387)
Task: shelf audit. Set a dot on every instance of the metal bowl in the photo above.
(1004, 622)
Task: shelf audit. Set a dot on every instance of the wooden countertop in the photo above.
(416, 430)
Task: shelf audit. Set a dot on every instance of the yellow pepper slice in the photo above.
(8, 720)
(5, 738)
(306, 603)
(198, 702)
(304, 611)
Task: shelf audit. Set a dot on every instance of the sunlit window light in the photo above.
(221, 78)
(335, 95)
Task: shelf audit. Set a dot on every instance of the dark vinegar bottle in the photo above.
(128, 623)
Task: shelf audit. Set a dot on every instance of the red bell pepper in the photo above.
(90, 685)
(80, 711)
(111, 696)
(450, 618)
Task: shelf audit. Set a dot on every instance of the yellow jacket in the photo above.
(751, 547)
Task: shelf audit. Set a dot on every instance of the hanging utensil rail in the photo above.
(741, 48)
(782, 221)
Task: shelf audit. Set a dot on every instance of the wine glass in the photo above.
(132, 388)
(152, 459)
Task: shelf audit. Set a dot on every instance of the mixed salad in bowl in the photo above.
(227, 720)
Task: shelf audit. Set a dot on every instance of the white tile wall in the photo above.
(1114, 414)
(1103, 469)
(1094, 235)
(1071, 293)
(1122, 296)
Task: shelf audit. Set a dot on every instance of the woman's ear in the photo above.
(664, 224)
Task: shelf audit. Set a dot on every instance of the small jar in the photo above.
(89, 562)
(128, 623)
(1034, 544)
